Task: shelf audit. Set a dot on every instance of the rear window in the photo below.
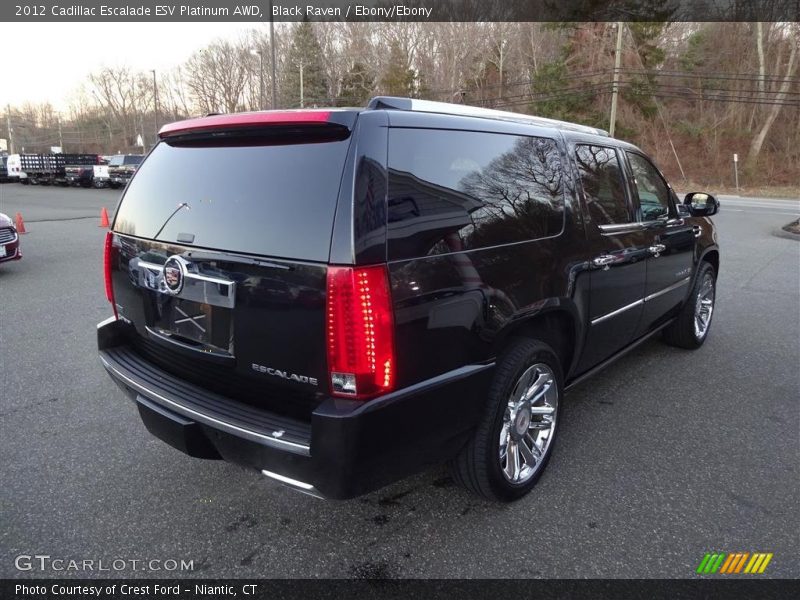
(133, 160)
(255, 198)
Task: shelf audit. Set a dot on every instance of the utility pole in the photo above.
(60, 135)
(615, 86)
(301, 85)
(10, 130)
(272, 51)
(155, 108)
(261, 78)
(260, 53)
(142, 137)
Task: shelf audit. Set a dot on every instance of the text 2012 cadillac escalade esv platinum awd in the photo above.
(352, 295)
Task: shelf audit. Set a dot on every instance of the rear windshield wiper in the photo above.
(169, 218)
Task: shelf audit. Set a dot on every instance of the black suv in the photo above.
(341, 298)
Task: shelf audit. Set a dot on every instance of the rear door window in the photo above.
(603, 186)
(460, 190)
(251, 196)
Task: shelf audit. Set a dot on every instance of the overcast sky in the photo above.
(48, 61)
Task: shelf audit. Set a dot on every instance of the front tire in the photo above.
(514, 440)
(690, 328)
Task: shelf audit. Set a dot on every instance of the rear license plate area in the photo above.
(204, 325)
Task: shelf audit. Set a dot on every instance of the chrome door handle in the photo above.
(603, 261)
(657, 249)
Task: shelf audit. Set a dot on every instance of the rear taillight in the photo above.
(360, 336)
(108, 252)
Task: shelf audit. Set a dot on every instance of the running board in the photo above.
(614, 357)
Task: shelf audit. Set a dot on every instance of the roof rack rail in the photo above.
(446, 108)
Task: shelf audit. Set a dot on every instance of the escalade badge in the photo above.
(173, 275)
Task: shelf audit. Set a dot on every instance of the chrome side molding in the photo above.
(614, 313)
(652, 296)
(676, 285)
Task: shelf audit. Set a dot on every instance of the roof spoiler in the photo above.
(446, 108)
(257, 119)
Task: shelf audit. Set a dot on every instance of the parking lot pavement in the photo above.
(663, 457)
(55, 203)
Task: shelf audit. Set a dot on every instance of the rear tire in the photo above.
(690, 328)
(514, 440)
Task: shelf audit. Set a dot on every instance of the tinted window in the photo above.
(459, 190)
(133, 160)
(601, 178)
(651, 188)
(274, 200)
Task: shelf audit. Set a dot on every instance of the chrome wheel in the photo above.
(704, 306)
(529, 423)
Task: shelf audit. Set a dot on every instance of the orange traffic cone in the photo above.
(104, 218)
(20, 224)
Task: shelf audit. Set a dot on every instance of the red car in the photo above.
(9, 240)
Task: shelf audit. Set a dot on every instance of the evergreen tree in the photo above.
(398, 79)
(550, 84)
(641, 88)
(304, 51)
(357, 86)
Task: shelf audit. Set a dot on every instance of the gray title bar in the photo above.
(398, 10)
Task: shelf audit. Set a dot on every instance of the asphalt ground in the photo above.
(665, 456)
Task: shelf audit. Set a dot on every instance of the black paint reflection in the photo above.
(602, 182)
(456, 190)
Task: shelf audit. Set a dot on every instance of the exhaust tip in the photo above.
(300, 486)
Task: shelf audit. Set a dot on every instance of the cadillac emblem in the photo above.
(173, 275)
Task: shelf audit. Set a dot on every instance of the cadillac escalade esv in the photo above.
(368, 292)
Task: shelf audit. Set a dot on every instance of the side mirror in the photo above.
(701, 204)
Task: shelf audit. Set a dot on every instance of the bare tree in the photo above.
(780, 96)
(125, 95)
(217, 75)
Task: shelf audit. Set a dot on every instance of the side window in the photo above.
(603, 187)
(459, 190)
(653, 191)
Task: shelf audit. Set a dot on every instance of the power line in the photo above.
(713, 76)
